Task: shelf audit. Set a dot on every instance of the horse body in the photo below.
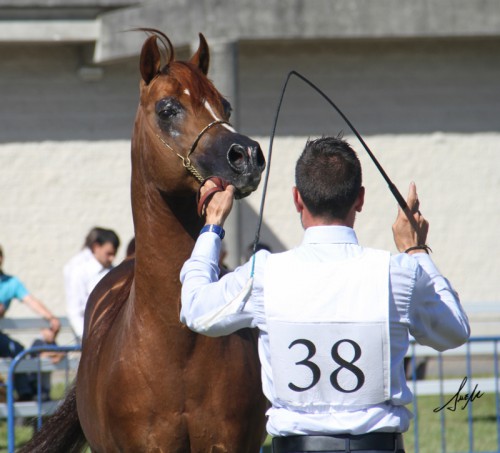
(145, 382)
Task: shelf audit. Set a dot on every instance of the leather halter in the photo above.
(186, 161)
(203, 200)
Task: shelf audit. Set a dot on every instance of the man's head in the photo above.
(104, 246)
(328, 178)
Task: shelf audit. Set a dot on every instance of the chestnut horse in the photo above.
(145, 382)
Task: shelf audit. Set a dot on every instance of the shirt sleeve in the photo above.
(437, 318)
(204, 296)
(20, 291)
(76, 298)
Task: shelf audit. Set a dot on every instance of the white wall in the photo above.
(458, 183)
(52, 194)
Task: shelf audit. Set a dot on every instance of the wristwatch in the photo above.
(217, 229)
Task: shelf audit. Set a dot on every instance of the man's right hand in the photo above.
(219, 206)
(410, 228)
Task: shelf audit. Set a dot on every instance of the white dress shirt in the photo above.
(421, 303)
(81, 275)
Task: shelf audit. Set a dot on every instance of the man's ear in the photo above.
(360, 201)
(297, 200)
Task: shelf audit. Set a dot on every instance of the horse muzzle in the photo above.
(248, 163)
(246, 159)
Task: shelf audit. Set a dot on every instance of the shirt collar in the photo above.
(330, 234)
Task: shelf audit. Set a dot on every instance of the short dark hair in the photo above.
(98, 235)
(328, 177)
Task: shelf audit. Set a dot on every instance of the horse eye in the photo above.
(227, 108)
(167, 108)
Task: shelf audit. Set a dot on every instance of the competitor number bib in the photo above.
(318, 365)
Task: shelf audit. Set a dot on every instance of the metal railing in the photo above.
(23, 364)
(440, 386)
(454, 395)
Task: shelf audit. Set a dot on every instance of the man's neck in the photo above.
(311, 221)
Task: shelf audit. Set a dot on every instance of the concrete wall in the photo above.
(458, 193)
(383, 86)
(53, 192)
(64, 160)
(44, 96)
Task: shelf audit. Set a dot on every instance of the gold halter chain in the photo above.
(186, 161)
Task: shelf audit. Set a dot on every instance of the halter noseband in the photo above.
(186, 161)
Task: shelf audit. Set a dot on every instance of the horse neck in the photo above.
(166, 226)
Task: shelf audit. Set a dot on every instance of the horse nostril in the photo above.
(236, 157)
(259, 158)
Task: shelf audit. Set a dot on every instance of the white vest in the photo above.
(329, 331)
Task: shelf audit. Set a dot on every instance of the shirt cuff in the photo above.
(208, 245)
(425, 261)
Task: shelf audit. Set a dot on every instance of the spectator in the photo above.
(130, 248)
(47, 338)
(83, 272)
(12, 288)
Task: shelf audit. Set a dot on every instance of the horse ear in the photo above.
(150, 62)
(202, 56)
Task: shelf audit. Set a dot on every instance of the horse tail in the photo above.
(61, 433)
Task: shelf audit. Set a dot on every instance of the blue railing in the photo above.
(10, 386)
(442, 388)
(462, 392)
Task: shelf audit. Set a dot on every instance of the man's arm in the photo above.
(207, 302)
(437, 318)
(38, 307)
(76, 299)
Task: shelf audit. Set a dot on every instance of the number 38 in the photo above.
(344, 364)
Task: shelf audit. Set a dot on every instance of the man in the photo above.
(84, 270)
(12, 288)
(334, 317)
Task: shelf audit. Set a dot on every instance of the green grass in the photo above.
(456, 428)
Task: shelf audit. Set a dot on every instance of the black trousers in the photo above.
(342, 443)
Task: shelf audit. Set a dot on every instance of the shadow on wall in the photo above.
(249, 218)
(384, 86)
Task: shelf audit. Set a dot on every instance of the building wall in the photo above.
(458, 193)
(64, 160)
(427, 109)
(45, 98)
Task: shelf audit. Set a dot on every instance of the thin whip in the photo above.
(401, 201)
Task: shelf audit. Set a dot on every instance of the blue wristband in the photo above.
(214, 229)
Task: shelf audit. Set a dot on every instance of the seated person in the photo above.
(12, 288)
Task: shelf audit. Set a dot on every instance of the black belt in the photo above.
(343, 442)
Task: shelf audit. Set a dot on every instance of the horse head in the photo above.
(186, 123)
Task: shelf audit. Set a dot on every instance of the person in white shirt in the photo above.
(84, 270)
(334, 317)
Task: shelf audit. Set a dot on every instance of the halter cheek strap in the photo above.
(186, 161)
(205, 129)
